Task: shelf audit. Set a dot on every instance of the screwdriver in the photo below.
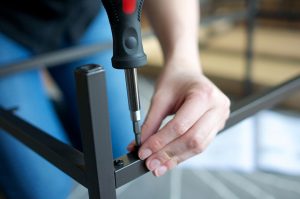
(128, 54)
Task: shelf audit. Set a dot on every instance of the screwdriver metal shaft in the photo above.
(134, 102)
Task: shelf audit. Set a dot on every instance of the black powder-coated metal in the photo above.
(63, 156)
(71, 161)
(131, 169)
(250, 28)
(263, 100)
(55, 58)
(96, 138)
(287, 15)
(96, 169)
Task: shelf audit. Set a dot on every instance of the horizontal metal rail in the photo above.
(133, 167)
(262, 100)
(67, 55)
(54, 58)
(63, 156)
(281, 15)
(71, 161)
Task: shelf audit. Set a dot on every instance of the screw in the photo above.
(118, 162)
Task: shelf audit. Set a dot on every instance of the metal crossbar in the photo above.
(95, 168)
(96, 162)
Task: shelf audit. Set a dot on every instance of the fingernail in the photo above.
(145, 153)
(154, 164)
(161, 171)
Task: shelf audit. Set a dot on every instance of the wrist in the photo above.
(184, 57)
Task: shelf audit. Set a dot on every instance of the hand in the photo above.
(200, 109)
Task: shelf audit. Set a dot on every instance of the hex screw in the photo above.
(118, 162)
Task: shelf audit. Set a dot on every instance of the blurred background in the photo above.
(246, 47)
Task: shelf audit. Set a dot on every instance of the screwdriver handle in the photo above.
(125, 17)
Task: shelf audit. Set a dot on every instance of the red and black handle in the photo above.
(124, 17)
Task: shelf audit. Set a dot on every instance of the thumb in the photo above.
(159, 109)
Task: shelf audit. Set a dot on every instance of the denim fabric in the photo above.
(23, 173)
(120, 123)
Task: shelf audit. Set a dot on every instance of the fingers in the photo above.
(201, 111)
(188, 145)
(159, 109)
(177, 159)
(189, 113)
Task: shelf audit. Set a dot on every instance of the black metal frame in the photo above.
(95, 168)
(250, 26)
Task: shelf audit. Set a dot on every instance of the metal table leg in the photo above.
(96, 140)
(97, 171)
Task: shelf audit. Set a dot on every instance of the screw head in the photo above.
(118, 162)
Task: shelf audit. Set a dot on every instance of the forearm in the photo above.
(200, 109)
(175, 23)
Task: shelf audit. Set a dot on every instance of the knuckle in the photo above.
(200, 95)
(175, 161)
(224, 106)
(226, 109)
(196, 144)
(178, 128)
(227, 114)
(172, 163)
(155, 144)
(227, 102)
(208, 90)
(203, 93)
(166, 155)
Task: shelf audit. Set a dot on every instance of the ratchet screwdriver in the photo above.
(128, 54)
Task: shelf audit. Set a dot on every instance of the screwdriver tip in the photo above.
(137, 133)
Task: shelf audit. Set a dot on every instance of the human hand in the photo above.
(200, 109)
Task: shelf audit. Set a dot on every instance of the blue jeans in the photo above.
(23, 173)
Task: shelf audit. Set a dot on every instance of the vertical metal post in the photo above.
(96, 140)
(250, 25)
